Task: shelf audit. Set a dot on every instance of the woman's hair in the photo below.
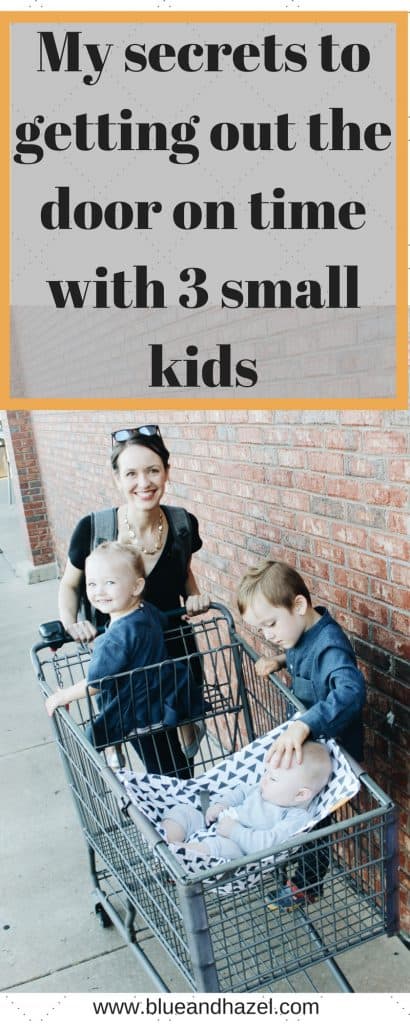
(278, 582)
(127, 551)
(155, 443)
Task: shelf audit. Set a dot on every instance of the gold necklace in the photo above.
(135, 538)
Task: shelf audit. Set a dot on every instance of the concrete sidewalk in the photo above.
(51, 938)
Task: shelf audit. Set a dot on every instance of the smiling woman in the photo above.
(166, 538)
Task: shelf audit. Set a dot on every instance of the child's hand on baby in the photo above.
(52, 703)
(264, 666)
(288, 744)
(213, 812)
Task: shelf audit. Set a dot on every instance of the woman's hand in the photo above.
(197, 603)
(84, 632)
(213, 812)
(264, 666)
(53, 702)
(288, 744)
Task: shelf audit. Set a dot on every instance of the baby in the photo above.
(253, 818)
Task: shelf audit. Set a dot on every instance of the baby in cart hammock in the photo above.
(158, 698)
(250, 819)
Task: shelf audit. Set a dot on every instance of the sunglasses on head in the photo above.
(127, 433)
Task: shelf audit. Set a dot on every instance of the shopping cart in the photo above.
(223, 925)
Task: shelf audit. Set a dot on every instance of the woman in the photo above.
(165, 537)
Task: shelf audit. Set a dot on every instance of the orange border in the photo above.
(7, 19)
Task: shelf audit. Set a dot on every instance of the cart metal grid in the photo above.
(220, 940)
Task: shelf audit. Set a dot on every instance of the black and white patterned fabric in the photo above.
(154, 794)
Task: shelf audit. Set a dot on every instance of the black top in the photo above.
(165, 583)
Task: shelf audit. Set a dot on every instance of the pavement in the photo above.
(51, 940)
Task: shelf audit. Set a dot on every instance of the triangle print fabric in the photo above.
(153, 794)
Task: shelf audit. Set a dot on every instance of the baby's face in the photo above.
(280, 785)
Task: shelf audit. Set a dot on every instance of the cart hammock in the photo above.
(154, 794)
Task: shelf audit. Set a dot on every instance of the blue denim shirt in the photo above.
(325, 677)
(140, 687)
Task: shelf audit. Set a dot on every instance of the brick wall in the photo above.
(326, 491)
(28, 488)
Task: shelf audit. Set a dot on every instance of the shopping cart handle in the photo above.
(54, 634)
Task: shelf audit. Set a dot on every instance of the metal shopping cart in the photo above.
(222, 925)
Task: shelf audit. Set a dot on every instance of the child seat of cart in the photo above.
(153, 794)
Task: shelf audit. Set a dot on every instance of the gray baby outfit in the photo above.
(259, 824)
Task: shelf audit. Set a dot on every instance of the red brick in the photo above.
(313, 482)
(392, 547)
(351, 535)
(307, 438)
(293, 457)
(393, 596)
(353, 580)
(345, 440)
(330, 552)
(400, 574)
(382, 682)
(344, 487)
(282, 517)
(398, 523)
(385, 441)
(325, 462)
(391, 642)
(352, 624)
(362, 417)
(378, 494)
(278, 476)
(399, 470)
(329, 594)
(314, 566)
(369, 609)
(295, 499)
(400, 691)
(400, 623)
(358, 465)
(367, 563)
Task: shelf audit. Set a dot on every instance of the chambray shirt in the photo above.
(140, 689)
(325, 677)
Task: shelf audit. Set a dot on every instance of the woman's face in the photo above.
(141, 476)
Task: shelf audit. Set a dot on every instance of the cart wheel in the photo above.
(104, 919)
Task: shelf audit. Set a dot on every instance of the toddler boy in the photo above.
(317, 654)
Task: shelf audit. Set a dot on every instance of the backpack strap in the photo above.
(181, 529)
(103, 526)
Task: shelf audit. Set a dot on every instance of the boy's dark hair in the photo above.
(277, 581)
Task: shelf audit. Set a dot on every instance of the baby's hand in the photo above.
(264, 666)
(53, 702)
(213, 812)
(225, 826)
(290, 742)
